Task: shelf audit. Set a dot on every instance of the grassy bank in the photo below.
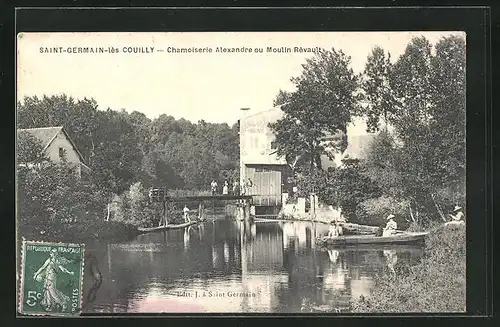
(437, 284)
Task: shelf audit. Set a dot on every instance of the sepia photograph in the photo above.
(241, 172)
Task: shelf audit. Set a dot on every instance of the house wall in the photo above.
(256, 151)
(61, 141)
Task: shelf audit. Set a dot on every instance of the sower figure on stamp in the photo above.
(47, 273)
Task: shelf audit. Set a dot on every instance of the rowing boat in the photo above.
(401, 238)
(160, 228)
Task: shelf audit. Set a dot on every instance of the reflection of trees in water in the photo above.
(391, 259)
(261, 253)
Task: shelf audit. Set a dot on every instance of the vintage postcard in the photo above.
(241, 172)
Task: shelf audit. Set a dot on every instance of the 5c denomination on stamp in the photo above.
(51, 278)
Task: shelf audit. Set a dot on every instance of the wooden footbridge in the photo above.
(209, 197)
(244, 203)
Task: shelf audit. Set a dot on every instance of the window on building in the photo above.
(62, 153)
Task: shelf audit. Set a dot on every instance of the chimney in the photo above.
(244, 112)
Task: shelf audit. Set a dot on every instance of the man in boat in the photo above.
(390, 227)
(457, 214)
(186, 214)
(457, 217)
(213, 186)
(340, 230)
(333, 232)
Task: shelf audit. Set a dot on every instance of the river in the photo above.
(229, 266)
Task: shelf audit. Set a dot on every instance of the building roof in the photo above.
(46, 135)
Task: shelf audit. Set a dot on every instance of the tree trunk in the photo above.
(411, 214)
(107, 217)
(385, 119)
(438, 209)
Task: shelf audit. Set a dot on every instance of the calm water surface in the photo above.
(230, 266)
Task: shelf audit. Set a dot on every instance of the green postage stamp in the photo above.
(51, 278)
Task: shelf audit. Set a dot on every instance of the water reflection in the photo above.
(235, 266)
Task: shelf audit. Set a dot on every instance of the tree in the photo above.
(80, 118)
(423, 160)
(29, 149)
(352, 186)
(321, 106)
(377, 89)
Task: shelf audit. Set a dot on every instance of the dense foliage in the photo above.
(127, 153)
(52, 196)
(123, 148)
(320, 108)
(415, 165)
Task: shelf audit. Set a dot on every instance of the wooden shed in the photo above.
(268, 173)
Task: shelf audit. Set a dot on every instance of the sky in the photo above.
(209, 86)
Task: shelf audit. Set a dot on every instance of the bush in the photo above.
(436, 284)
(374, 211)
(52, 193)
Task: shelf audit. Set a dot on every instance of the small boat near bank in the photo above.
(400, 238)
(167, 227)
(348, 227)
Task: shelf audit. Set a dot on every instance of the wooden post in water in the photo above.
(200, 210)
(213, 207)
(107, 217)
(165, 221)
(248, 217)
(160, 221)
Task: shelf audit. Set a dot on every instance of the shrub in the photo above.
(374, 211)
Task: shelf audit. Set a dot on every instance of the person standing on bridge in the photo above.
(225, 189)
(236, 188)
(248, 186)
(213, 186)
(186, 214)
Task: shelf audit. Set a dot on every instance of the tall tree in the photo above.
(424, 159)
(378, 93)
(321, 106)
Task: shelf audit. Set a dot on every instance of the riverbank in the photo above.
(321, 214)
(97, 230)
(437, 284)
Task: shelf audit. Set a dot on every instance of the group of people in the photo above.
(237, 189)
(335, 229)
(391, 227)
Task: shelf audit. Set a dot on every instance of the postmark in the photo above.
(51, 278)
